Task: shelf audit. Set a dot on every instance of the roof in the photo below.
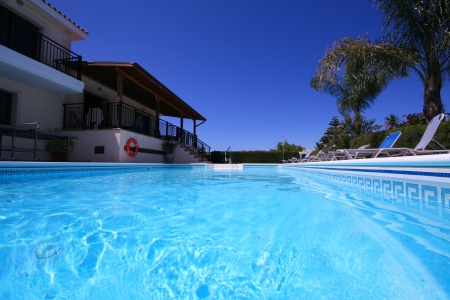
(67, 18)
(140, 86)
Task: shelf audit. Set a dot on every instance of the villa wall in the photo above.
(32, 105)
(114, 141)
(38, 90)
(144, 141)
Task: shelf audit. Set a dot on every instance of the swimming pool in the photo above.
(195, 233)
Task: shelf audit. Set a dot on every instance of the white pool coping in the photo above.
(423, 161)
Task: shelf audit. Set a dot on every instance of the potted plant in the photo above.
(169, 147)
(59, 147)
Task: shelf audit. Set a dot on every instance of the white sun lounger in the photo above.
(387, 144)
(420, 149)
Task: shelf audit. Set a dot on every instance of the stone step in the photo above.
(191, 152)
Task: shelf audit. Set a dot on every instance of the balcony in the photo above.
(79, 116)
(16, 34)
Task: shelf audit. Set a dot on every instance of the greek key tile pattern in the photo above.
(387, 171)
(12, 174)
(432, 198)
(27, 173)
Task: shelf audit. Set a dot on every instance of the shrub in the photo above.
(261, 157)
(410, 137)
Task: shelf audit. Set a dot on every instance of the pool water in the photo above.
(202, 234)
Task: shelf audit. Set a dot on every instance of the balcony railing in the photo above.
(22, 38)
(120, 115)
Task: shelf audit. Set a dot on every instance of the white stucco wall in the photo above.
(114, 141)
(32, 105)
(83, 149)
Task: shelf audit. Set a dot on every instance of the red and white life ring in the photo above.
(128, 147)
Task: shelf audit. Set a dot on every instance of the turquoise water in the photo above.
(203, 234)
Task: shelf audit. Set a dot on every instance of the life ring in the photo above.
(128, 147)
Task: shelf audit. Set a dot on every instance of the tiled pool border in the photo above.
(429, 166)
(24, 171)
(387, 171)
(432, 166)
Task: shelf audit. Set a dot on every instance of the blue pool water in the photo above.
(196, 233)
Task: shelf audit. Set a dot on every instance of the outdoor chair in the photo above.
(77, 123)
(321, 156)
(340, 154)
(136, 126)
(94, 117)
(386, 145)
(427, 138)
(300, 158)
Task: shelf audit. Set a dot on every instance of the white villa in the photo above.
(105, 107)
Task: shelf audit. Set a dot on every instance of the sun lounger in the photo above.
(388, 142)
(427, 138)
(298, 159)
(420, 149)
(303, 159)
(321, 156)
(341, 155)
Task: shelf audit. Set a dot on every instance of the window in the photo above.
(18, 34)
(5, 108)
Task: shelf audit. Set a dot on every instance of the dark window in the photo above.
(18, 34)
(5, 108)
(5, 21)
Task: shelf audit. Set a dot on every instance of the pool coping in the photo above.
(437, 166)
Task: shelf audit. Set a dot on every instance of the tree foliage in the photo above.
(340, 134)
(392, 121)
(355, 71)
(421, 28)
(287, 147)
(416, 39)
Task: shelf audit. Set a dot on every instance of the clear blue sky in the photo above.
(245, 65)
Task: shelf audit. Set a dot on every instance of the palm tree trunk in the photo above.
(432, 99)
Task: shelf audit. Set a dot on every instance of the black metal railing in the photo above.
(120, 115)
(56, 56)
(19, 36)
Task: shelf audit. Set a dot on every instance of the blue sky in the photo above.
(245, 65)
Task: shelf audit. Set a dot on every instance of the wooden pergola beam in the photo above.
(150, 91)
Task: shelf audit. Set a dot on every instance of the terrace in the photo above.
(114, 115)
(124, 95)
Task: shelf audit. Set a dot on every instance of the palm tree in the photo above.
(417, 40)
(421, 28)
(347, 72)
(391, 121)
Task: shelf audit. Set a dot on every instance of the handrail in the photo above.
(121, 115)
(229, 159)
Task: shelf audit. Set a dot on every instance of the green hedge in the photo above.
(261, 157)
(410, 137)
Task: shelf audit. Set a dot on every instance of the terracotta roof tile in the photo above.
(76, 25)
